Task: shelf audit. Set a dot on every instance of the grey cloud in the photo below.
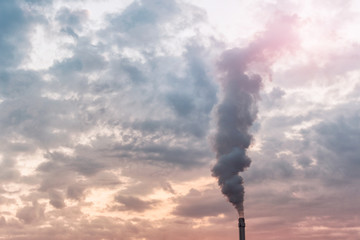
(70, 31)
(146, 183)
(71, 21)
(135, 74)
(144, 24)
(56, 199)
(339, 141)
(2, 221)
(15, 84)
(319, 169)
(169, 126)
(8, 170)
(46, 172)
(69, 166)
(129, 203)
(89, 55)
(198, 204)
(106, 154)
(304, 161)
(31, 214)
(72, 18)
(75, 191)
(40, 2)
(204, 86)
(7, 175)
(6, 201)
(143, 17)
(277, 93)
(97, 88)
(272, 99)
(298, 201)
(194, 96)
(167, 187)
(19, 147)
(36, 118)
(182, 104)
(105, 179)
(69, 184)
(278, 170)
(13, 26)
(68, 66)
(88, 161)
(71, 73)
(335, 65)
(174, 155)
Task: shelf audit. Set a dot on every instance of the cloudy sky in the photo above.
(109, 118)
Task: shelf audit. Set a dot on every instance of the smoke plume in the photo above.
(237, 110)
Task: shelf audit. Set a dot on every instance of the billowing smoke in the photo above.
(237, 110)
(235, 113)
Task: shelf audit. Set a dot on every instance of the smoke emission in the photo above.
(237, 110)
(235, 114)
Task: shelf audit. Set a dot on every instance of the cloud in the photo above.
(142, 21)
(75, 191)
(129, 203)
(31, 214)
(13, 25)
(198, 204)
(56, 199)
(338, 151)
(106, 113)
(71, 18)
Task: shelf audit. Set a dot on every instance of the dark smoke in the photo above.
(235, 114)
(237, 110)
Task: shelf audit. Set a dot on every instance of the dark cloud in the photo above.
(130, 203)
(134, 73)
(181, 104)
(304, 161)
(56, 199)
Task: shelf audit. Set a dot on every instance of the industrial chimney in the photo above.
(241, 228)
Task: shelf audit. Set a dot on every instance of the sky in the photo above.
(112, 113)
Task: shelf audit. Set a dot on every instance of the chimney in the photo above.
(241, 228)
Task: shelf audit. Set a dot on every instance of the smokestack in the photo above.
(237, 110)
(241, 228)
